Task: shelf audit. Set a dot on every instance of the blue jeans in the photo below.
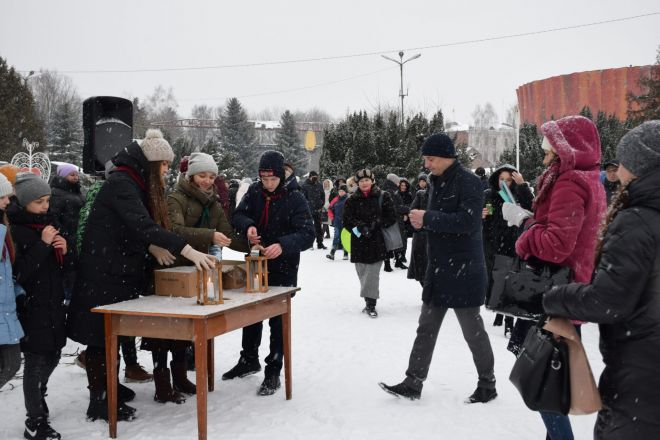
(336, 239)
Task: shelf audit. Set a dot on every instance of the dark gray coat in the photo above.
(456, 271)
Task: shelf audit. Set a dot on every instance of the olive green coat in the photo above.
(186, 209)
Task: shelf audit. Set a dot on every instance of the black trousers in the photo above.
(36, 372)
(252, 341)
(318, 227)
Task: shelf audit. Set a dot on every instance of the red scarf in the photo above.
(134, 175)
(59, 256)
(263, 222)
(8, 248)
(366, 193)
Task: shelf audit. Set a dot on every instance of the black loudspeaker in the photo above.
(108, 128)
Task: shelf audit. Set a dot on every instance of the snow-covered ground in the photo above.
(339, 356)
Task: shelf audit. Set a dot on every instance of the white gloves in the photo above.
(162, 255)
(201, 260)
(514, 214)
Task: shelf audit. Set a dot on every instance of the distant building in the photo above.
(564, 95)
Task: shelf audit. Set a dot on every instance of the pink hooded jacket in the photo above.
(568, 215)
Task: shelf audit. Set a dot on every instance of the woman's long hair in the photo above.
(156, 196)
(620, 201)
(8, 241)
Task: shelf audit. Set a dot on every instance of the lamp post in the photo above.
(515, 127)
(400, 62)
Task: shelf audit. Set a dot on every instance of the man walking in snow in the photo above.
(456, 272)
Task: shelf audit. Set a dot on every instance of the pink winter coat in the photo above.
(569, 210)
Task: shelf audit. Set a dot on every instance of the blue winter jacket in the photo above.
(456, 271)
(11, 331)
(338, 212)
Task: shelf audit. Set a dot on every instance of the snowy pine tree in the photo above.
(288, 142)
(67, 133)
(237, 138)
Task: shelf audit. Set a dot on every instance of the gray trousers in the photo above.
(369, 275)
(10, 362)
(472, 326)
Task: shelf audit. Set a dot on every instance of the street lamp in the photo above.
(400, 62)
(516, 127)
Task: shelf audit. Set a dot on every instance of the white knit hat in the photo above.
(393, 178)
(546, 145)
(201, 163)
(5, 186)
(155, 147)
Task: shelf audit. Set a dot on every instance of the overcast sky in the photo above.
(89, 35)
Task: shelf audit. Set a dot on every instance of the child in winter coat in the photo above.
(10, 328)
(335, 213)
(40, 252)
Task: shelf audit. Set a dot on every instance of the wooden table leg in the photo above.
(111, 372)
(286, 334)
(201, 370)
(211, 363)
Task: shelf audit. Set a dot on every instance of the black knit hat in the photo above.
(364, 172)
(343, 188)
(271, 164)
(439, 145)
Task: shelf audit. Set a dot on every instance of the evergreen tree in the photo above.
(17, 113)
(238, 138)
(288, 142)
(531, 153)
(586, 112)
(647, 102)
(67, 133)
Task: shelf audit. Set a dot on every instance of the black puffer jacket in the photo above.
(366, 214)
(289, 223)
(624, 299)
(314, 194)
(66, 202)
(113, 257)
(42, 314)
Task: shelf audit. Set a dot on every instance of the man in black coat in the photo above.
(456, 271)
(611, 182)
(279, 220)
(313, 190)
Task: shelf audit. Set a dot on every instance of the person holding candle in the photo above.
(280, 221)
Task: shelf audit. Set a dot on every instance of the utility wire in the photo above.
(364, 54)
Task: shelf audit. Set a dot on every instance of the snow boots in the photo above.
(401, 390)
(331, 255)
(269, 386)
(370, 308)
(164, 392)
(135, 373)
(243, 368)
(180, 380)
(98, 403)
(39, 429)
(345, 257)
(482, 395)
(388, 268)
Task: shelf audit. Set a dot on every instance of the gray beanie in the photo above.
(393, 178)
(5, 186)
(639, 149)
(155, 147)
(30, 187)
(201, 163)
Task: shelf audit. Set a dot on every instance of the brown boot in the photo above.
(164, 391)
(137, 374)
(180, 380)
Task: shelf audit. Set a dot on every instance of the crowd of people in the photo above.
(66, 251)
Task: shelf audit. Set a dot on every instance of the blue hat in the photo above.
(439, 145)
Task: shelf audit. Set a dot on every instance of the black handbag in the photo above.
(541, 373)
(518, 285)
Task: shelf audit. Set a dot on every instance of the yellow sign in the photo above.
(310, 140)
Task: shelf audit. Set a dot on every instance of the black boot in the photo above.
(39, 429)
(243, 368)
(345, 257)
(269, 386)
(388, 268)
(498, 320)
(180, 380)
(98, 403)
(482, 395)
(401, 390)
(399, 264)
(370, 308)
(164, 392)
(331, 255)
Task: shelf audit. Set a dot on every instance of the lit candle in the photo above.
(211, 290)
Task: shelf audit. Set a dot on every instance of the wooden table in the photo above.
(183, 319)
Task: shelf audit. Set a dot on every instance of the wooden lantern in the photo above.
(256, 268)
(209, 285)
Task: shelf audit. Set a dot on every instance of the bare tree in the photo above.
(485, 117)
(52, 91)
